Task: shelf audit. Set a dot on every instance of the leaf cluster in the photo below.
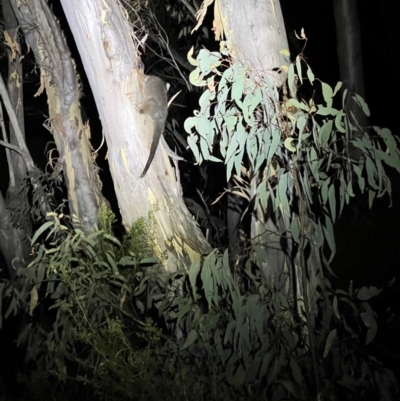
(193, 336)
(296, 153)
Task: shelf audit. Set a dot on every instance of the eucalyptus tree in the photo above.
(289, 160)
(13, 237)
(109, 50)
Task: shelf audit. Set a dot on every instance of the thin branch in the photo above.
(22, 148)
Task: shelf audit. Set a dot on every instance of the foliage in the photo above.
(293, 157)
(82, 293)
(298, 150)
(43, 190)
(248, 339)
(101, 316)
(228, 340)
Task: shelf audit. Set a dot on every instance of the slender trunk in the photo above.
(349, 52)
(15, 224)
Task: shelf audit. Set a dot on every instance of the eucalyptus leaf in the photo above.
(329, 342)
(327, 93)
(190, 339)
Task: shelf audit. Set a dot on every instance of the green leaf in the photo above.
(305, 183)
(228, 337)
(337, 88)
(324, 191)
(254, 99)
(111, 260)
(206, 98)
(369, 320)
(226, 78)
(41, 230)
(190, 339)
(301, 123)
(332, 201)
(327, 94)
(327, 111)
(196, 78)
(207, 279)
(208, 60)
(282, 188)
(298, 105)
(190, 123)
(251, 148)
(112, 239)
(329, 236)
(339, 124)
(313, 161)
(144, 261)
(366, 293)
(192, 142)
(329, 342)
(362, 104)
(295, 230)
(276, 138)
(193, 273)
(388, 138)
(233, 146)
(205, 130)
(238, 89)
(361, 180)
(371, 172)
(204, 149)
(310, 75)
(325, 133)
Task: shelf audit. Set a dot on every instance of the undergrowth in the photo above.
(99, 323)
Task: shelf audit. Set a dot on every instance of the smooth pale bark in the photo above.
(348, 36)
(109, 53)
(257, 33)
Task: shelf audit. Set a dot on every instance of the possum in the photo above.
(155, 106)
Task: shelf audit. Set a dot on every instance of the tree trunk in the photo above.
(256, 32)
(114, 70)
(349, 52)
(258, 39)
(58, 76)
(14, 243)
